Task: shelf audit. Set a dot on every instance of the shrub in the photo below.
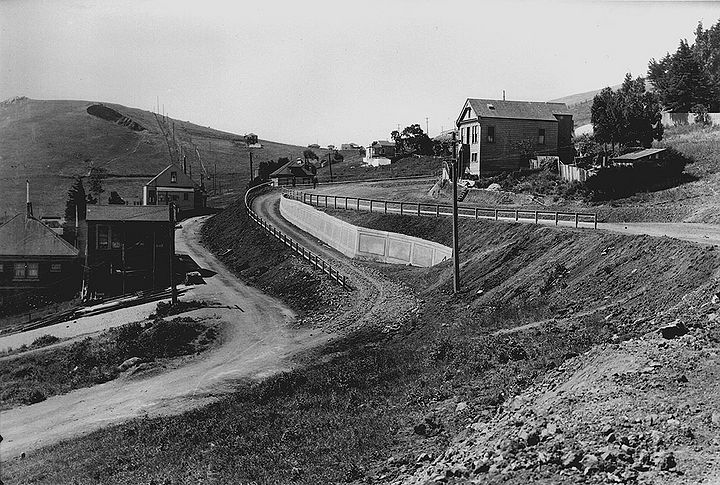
(44, 341)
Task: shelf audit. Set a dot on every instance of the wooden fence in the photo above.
(573, 173)
(437, 210)
(306, 254)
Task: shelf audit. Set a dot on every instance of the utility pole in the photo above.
(171, 208)
(427, 127)
(330, 164)
(251, 167)
(456, 256)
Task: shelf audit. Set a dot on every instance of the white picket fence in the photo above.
(573, 173)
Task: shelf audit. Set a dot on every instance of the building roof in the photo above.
(524, 110)
(26, 236)
(640, 154)
(293, 169)
(138, 213)
(383, 143)
(163, 178)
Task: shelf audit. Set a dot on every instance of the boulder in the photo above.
(674, 330)
(131, 362)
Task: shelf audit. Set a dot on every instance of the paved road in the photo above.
(257, 342)
(693, 232)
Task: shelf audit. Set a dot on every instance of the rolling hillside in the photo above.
(50, 142)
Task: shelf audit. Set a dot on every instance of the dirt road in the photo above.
(687, 231)
(376, 301)
(257, 342)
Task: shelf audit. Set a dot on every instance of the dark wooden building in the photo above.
(127, 248)
(174, 185)
(499, 134)
(35, 259)
(298, 172)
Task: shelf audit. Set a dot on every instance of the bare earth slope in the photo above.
(258, 342)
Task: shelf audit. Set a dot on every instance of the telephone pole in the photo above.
(171, 208)
(427, 126)
(330, 164)
(251, 167)
(456, 253)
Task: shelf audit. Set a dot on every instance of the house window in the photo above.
(175, 197)
(491, 134)
(473, 157)
(475, 134)
(26, 271)
(55, 268)
(173, 177)
(541, 136)
(103, 237)
(186, 196)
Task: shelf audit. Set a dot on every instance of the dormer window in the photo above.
(173, 177)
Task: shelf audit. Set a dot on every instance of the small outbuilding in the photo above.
(294, 173)
(640, 156)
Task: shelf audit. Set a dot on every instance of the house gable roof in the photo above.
(523, 110)
(130, 213)
(26, 236)
(292, 169)
(163, 178)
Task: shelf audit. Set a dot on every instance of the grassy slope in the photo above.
(382, 396)
(48, 142)
(351, 169)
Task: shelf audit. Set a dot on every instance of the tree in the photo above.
(309, 155)
(97, 175)
(115, 199)
(75, 206)
(630, 117)
(413, 140)
(707, 52)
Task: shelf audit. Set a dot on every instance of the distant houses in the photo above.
(503, 135)
(174, 185)
(380, 152)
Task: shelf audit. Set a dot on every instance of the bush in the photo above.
(44, 341)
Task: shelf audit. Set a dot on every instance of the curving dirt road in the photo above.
(376, 301)
(257, 342)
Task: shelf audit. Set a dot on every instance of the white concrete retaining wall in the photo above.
(362, 243)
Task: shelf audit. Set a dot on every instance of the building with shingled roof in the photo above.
(294, 173)
(497, 134)
(34, 258)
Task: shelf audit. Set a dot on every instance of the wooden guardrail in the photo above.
(437, 210)
(306, 254)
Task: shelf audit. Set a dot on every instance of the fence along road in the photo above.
(424, 209)
(306, 254)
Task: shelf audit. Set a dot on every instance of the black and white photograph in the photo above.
(401, 242)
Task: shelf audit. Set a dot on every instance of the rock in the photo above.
(131, 362)
(611, 438)
(570, 459)
(715, 418)
(715, 299)
(461, 406)
(552, 429)
(424, 457)
(674, 330)
(590, 462)
(607, 430)
(494, 187)
(532, 438)
(664, 460)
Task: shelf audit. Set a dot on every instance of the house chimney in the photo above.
(27, 199)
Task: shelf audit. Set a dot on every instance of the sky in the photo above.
(329, 72)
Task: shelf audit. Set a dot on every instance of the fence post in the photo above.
(345, 203)
(557, 218)
(496, 214)
(335, 202)
(386, 207)
(418, 208)
(358, 203)
(536, 217)
(326, 201)
(401, 208)
(476, 213)
(576, 219)
(437, 210)
(516, 214)
(595, 219)
(371, 205)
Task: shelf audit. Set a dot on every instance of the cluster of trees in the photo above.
(629, 116)
(689, 79)
(413, 140)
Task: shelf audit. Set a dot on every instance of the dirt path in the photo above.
(258, 342)
(376, 301)
(687, 231)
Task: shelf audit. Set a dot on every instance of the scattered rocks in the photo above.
(131, 362)
(674, 330)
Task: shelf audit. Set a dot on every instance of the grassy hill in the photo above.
(50, 142)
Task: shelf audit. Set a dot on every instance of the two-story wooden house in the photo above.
(503, 135)
(174, 185)
(127, 248)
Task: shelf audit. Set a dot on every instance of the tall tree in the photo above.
(309, 155)
(689, 84)
(604, 115)
(95, 189)
(413, 140)
(75, 203)
(707, 52)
